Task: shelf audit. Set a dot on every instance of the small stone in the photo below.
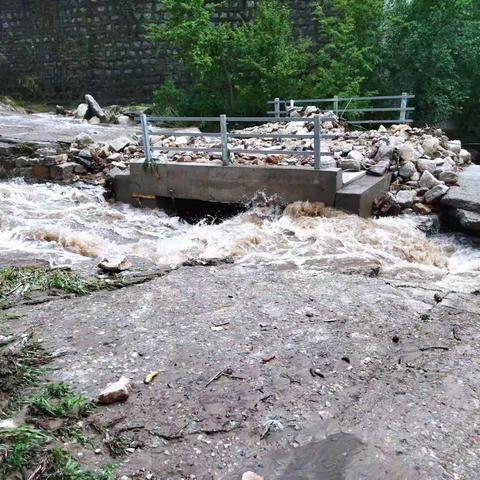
(407, 170)
(83, 140)
(9, 424)
(94, 121)
(382, 129)
(406, 198)
(436, 193)
(115, 392)
(115, 265)
(427, 180)
(251, 476)
(449, 177)
(422, 209)
(5, 340)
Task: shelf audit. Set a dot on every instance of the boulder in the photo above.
(454, 146)
(424, 164)
(464, 157)
(124, 120)
(352, 162)
(406, 198)
(407, 153)
(468, 220)
(430, 145)
(449, 177)
(119, 144)
(94, 109)
(81, 111)
(94, 121)
(436, 193)
(379, 169)
(427, 180)
(384, 152)
(115, 392)
(327, 162)
(407, 170)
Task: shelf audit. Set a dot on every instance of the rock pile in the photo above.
(90, 111)
(424, 163)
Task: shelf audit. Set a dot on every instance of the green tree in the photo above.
(349, 51)
(432, 49)
(231, 68)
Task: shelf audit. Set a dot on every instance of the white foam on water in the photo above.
(69, 224)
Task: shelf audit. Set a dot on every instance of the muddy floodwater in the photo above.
(68, 225)
(353, 344)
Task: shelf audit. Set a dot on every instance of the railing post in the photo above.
(335, 105)
(224, 136)
(316, 141)
(277, 108)
(146, 138)
(292, 103)
(403, 107)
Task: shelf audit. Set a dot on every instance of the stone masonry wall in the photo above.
(60, 49)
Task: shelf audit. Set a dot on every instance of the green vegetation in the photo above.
(425, 47)
(33, 449)
(231, 68)
(24, 282)
(58, 400)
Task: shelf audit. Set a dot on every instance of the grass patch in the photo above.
(32, 453)
(59, 401)
(21, 366)
(18, 283)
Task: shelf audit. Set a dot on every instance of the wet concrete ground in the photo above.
(331, 376)
(46, 128)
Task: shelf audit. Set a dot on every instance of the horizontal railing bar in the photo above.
(187, 149)
(279, 119)
(278, 152)
(341, 99)
(268, 135)
(235, 119)
(187, 134)
(183, 119)
(280, 101)
(397, 109)
(278, 135)
(382, 121)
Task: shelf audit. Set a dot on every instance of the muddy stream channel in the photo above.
(67, 225)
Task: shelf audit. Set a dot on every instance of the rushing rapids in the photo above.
(67, 225)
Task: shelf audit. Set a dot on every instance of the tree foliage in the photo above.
(433, 49)
(231, 67)
(427, 47)
(349, 52)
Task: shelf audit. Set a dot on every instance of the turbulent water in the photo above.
(71, 224)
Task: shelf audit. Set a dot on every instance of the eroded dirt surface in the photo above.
(370, 378)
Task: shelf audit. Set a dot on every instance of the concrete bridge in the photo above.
(153, 184)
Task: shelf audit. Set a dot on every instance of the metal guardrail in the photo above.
(282, 107)
(224, 135)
